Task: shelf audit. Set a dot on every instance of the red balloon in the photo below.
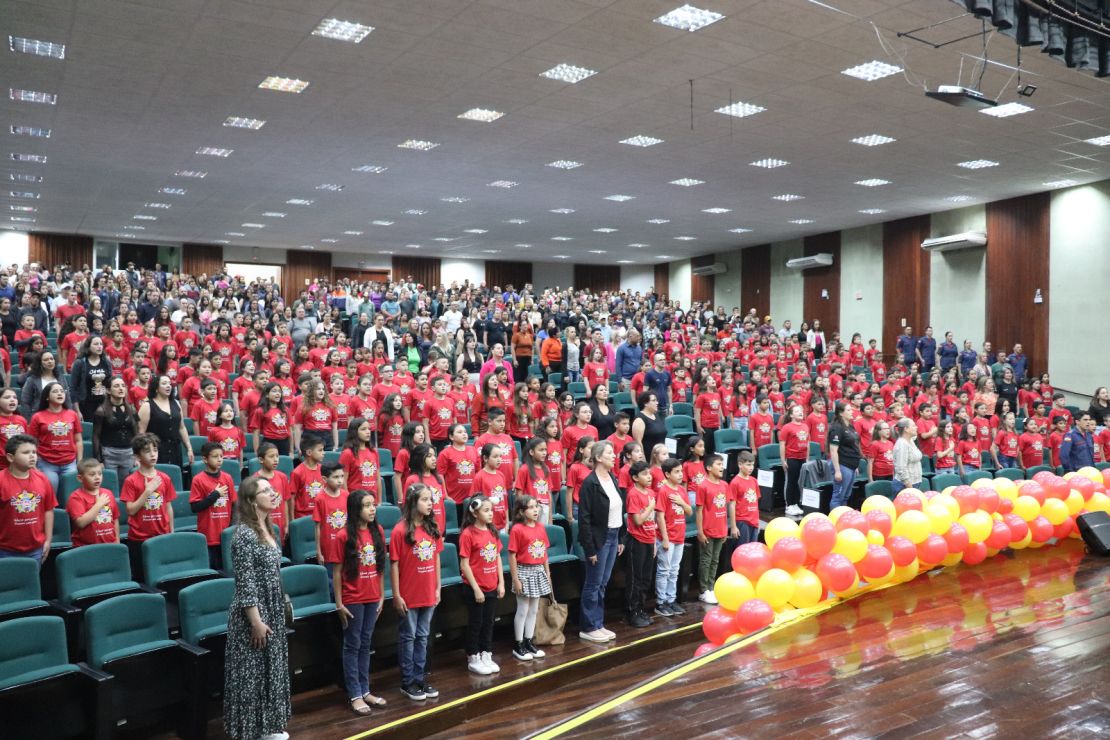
(703, 648)
(751, 560)
(1064, 528)
(1084, 485)
(1005, 506)
(1000, 536)
(789, 554)
(819, 537)
(1034, 488)
(753, 614)
(876, 563)
(880, 521)
(933, 550)
(718, 625)
(902, 550)
(905, 501)
(836, 572)
(1018, 527)
(1044, 475)
(956, 538)
(852, 520)
(1057, 488)
(975, 554)
(989, 500)
(1041, 529)
(967, 497)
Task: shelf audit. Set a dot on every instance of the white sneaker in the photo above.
(487, 661)
(794, 510)
(475, 664)
(708, 598)
(594, 636)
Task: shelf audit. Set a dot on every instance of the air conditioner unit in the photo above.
(823, 259)
(965, 240)
(717, 268)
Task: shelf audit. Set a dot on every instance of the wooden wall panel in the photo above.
(52, 250)
(424, 270)
(301, 266)
(662, 279)
(201, 259)
(361, 276)
(701, 286)
(597, 278)
(503, 273)
(905, 279)
(755, 280)
(827, 279)
(1017, 266)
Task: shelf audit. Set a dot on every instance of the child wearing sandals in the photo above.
(531, 574)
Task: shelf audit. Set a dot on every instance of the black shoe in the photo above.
(676, 608)
(639, 619)
(520, 651)
(429, 692)
(663, 609)
(531, 648)
(415, 692)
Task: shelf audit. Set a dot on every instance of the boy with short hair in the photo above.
(621, 437)
(496, 435)
(712, 519)
(439, 413)
(1059, 410)
(92, 509)
(330, 515)
(308, 482)
(642, 533)
(147, 493)
(1056, 438)
(743, 508)
(672, 506)
(27, 503)
(211, 496)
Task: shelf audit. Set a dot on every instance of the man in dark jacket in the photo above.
(1078, 447)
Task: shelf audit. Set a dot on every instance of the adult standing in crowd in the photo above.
(649, 428)
(601, 533)
(907, 456)
(161, 416)
(1078, 447)
(42, 372)
(844, 453)
(630, 355)
(90, 376)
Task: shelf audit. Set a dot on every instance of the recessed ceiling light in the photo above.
(144, 217)
(686, 238)
(874, 182)
(658, 220)
(156, 205)
(135, 228)
(373, 169)
(252, 123)
(564, 164)
(333, 28)
(1006, 110)
(22, 219)
(283, 84)
(22, 209)
(787, 197)
(299, 202)
(523, 246)
(637, 245)
(491, 251)
(475, 231)
(716, 210)
(36, 47)
(253, 226)
(454, 199)
(382, 223)
(598, 251)
(873, 140)
(36, 158)
(873, 211)
(234, 233)
(624, 262)
(212, 151)
(619, 198)
(482, 115)
(24, 177)
(418, 145)
(568, 73)
(871, 71)
(741, 110)
(330, 187)
(562, 238)
(445, 238)
(663, 257)
(517, 221)
(23, 194)
(689, 18)
(415, 212)
(352, 233)
(559, 256)
(172, 191)
(412, 246)
(740, 230)
(1099, 141)
(605, 230)
(1060, 183)
(641, 140)
(770, 163)
(330, 241)
(308, 246)
(221, 241)
(32, 96)
(977, 164)
(273, 214)
(35, 131)
(687, 182)
(958, 198)
(562, 210)
(191, 173)
(801, 221)
(386, 251)
(502, 184)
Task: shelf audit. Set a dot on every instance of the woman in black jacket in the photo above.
(90, 376)
(601, 532)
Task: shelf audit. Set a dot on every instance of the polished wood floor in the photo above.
(1016, 647)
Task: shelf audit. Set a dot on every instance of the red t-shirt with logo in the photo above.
(9, 427)
(1032, 449)
(1008, 444)
(693, 473)
(280, 483)
(152, 519)
(673, 515)
(308, 484)
(330, 513)
(366, 588)
(554, 463)
(508, 452)
(317, 418)
(636, 502)
(102, 529)
(230, 440)
(217, 517)
(796, 436)
(818, 428)
(57, 435)
(883, 451)
(458, 468)
(440, 413)
(493, 486)
(529, 543)
(745, 493)
(538, 486)
(762, 427)
(23, 506)
(713, 499)
(271, 424)
(710, 405)
(439, 509)
(416, 568)
(969, 452)
(204, 413)
(482, 549)
(362, 470)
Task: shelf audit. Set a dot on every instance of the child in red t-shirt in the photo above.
(672, 505)
(282, 513)
(712, 519)
(480, 563)
(307, 482)
(1031, 443)
(968, 455)
(761, 425)
(1006, 448)
(27, 502)
(530, 572)
(489, 482)
(643, 529)
(1056, 438)
(580, 468)
(148, 494)
(946, 446)
(228, 436)
(330, 515)
(92, 510)
(211, 496)
(744, 491)
(532, 478)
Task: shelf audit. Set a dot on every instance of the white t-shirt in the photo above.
(616, 509)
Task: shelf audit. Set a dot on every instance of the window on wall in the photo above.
(14, 248)
(250, 271)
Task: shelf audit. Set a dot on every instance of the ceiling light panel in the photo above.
(382, 223)
(689, 18)
(352, 233)
(173, 191)
(234, 233)
(32, 96)
(144, 217)
(283, 84)
(716, 210)
(687, 182)
(455, 199)
(1006, 110)
(568, 73)
(249, 123)
(605, 230)
(873, 182)
(22, 219)
(977, 164)
(340, 30)
(373, 169)
(740, 231)
(1099, 141)
(641, 141)
(475, 231)
(34, 131)
(769, 164)
(1060, 183)
(517, 221)
(873, 211)
(482, 115)
(741, 110)
(199, 175)
(33, 158)
(801, 221)
(502, 184)
(299, 202)
(26, 194)
(418, 145)
(562, 211)
(212, 151)
(562, 238)
(619, 198)
(273, 214)
(686, 238)
(330, 187)
(24, 177)
(329, 241)
(638, 245)
(22, 209)
(253, 226)
(415, 212)
(873, 140)
(37, 48)
(958, 198)
(787, 197)
(659, 221)
(135, 228)
(871, 71)
(162, 206)
(564, 164)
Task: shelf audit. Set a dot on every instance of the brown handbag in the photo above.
(550, 621)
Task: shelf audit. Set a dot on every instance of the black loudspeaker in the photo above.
(1095, 530)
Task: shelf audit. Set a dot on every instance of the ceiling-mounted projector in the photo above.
(961, 97)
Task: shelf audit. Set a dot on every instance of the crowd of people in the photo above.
(523, 407)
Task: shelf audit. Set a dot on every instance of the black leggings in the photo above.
(793, 491)
(479, 625)
(281, 444)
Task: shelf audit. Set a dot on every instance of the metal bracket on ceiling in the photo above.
(935, 45)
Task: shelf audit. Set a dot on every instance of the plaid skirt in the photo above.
(533, 579)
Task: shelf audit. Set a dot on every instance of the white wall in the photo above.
(958, 280)
(639, 278)
(861, 273)
(679, 288)
(459, 271)
(14, 248)
(787, 301)
(361, 261)
(1079, 267)
(726, 287)
(552, 274)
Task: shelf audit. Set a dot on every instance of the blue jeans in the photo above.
(412, 634)
(356, 648)
(666, 573)
(842, 490)
(1007, 462)
(35, 555)
(597, 578)
(54, 472)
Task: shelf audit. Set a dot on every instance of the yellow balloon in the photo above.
(940, 517)
(851, 590)
(1055, 511)
(778, 528)
(913, 525)
(1027, 508)
(732, 590)
(776, 587)
(884, 579)
(852, 544)
(811, 515)
(948, 502)
(1075, 502)
(836, 513)
(982, 483)
(879, 503)
(1024, 542)
(1092, 474)
(875, 537)
(949, 489)
(952, 559)
(903, 573)
(1006, 488)
(978, 525)
(734, 637)
(1099, 502)
(808, 590)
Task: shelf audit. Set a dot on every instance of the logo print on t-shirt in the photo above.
(229, 444)
(465, 467)
(25, 502)
(505, 450)
(337, 519)
(313, 489)
(210, 417)
(437, 495)
(278, 420)
(104, 516)
(443, 413)
(59, 428)
(153, 501)
(541, 487)
(497, 495)
(489, 552)
(366, 555)
(320, 414)
(395, 429)
(7, 431)
(554, 458)
(424, 550)
(719, 500)
(367, 469)
(537, 549)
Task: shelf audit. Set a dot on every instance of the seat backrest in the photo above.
(1010, 474)
(944, 480)
(769, 455)
(449, 561)
(204, 605)
(976, 475)
(385, 461)
(879, 488)
(726, 436)
(683, 408)
(63, 529)
(285, 465)
(167, 555)
(122, 622)
(331, 457)
(388, 515)
(197, 441)
(174, 472)
(504, 550)
(302, 539)
(306, 585)
(452, 511)
(679, 423)
(67, 484)
(31, 644)
(19, 581)
(557, 537)
(233, 467)
(253, 465)
(111, 481)
(91, 565)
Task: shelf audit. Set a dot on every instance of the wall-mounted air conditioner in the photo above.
(717, 268)
(823, 259)
(966, 240)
